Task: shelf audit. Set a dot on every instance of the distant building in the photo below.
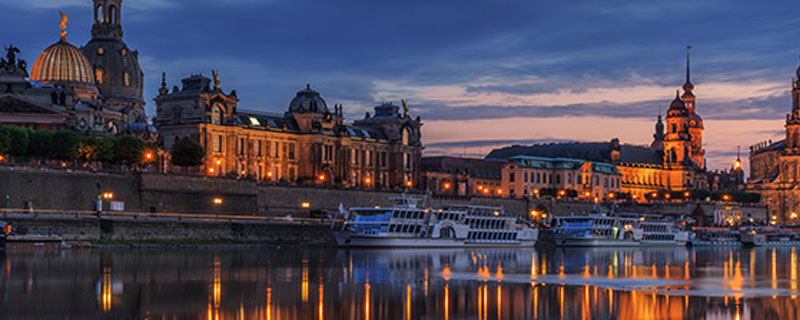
(527, 175)
(94, 90)
(727, 180)
(310, 143)
(674, 161)
(775, 167)
(462, 176)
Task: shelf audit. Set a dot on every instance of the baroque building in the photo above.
(309, 143)
(462, 176)
(775, 166)
(674, 161)
(95, 90)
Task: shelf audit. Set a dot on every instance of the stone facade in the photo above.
(310, 143)
(94, 90)
(526, 175)
(674, 161)
(775, 167)
(462, 176)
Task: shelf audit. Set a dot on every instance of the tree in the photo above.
(128, 150)
(5, 139)
(97, 149)
(187, 152)
(20, 141)
(64, 145)
(40, 143)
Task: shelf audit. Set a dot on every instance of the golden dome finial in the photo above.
(63, 25)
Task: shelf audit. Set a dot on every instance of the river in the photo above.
(300, 283)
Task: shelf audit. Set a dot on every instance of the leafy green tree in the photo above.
(128, 150)
(40, 143)
(5, 139)
(187, 152)
(20, 141)
(64, 145)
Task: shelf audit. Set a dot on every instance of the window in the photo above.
(216, 114)
(291, 151)
(511, 177)
(674, 128)
(405, 137)
(525, 177)
(98, 74)
(100, 51)
(240, 147)
(569, 178)
(127, 79)
(558, 178)
(257, 148)
(217, 143)
(383, 159)
(273, 149)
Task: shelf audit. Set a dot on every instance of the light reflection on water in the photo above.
(636, 283)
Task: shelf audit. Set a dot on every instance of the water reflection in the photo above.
(714, 283)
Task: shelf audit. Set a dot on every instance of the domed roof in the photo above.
(62, 64)
(308, 101)
(677, 103)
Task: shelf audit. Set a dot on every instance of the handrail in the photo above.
(203, 216)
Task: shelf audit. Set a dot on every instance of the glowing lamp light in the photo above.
(305, 205)
(737, 164)
(587, 194)
(148, 156)
(499, 191)
(219, 162)
(486, 190)
(773, 222)
(217, 201)
(667, 196)
(447, 185)
(2, 157)
(108, 195)
(210, 170)
(367, 181)
(409, 183)
(496, 213)
(562, 193)
(480, 188)
(611, 195)
(726, 197)
(794, 215)
(544, 215)
(321, 178)
(269, 174)
(534, 213)
(655, 195)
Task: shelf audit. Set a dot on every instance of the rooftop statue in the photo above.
(216, 79)
(11, 55)
(405, 107)
(63, 25)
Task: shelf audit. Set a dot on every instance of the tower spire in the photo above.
(688, 86)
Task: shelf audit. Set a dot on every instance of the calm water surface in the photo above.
(715, 283)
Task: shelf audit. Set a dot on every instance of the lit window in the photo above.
(254, 121)
(127, 79)
(100, 51)
(98, 74)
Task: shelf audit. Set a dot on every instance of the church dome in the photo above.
(63, 64)
(308, 101)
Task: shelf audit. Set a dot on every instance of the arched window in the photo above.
(114, 14)
(98, 14)
(216, 114)
(405, 137)
(98, 74)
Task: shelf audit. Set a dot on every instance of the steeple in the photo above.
(659, 135)
(688, 86)
(107, 19)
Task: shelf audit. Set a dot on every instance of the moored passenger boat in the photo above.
(407, 225)
(599, 230)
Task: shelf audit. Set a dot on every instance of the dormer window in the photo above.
(100, 51)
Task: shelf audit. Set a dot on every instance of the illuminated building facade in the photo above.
(527, 175)
(674, 161)
(462, 176)
(310, 143)
(95, 90)
(775, 167)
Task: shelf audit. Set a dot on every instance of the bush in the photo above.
(187, 153)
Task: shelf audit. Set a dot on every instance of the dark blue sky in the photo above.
(536, 69)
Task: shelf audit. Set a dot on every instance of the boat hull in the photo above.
(349, 240)
(615, 243)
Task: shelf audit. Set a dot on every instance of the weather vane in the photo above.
(63, 25)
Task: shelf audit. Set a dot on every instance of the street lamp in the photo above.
(217, 201)
(409, 183)
(447, 186)
(305, 205)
